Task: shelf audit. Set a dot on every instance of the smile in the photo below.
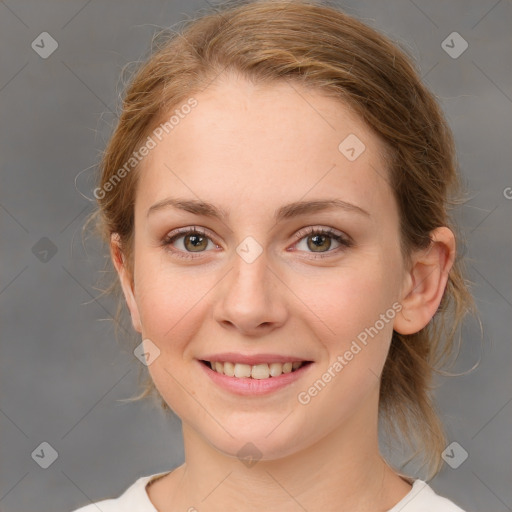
(253, 380)
(256, 371)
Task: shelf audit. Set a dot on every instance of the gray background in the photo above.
(62, 370)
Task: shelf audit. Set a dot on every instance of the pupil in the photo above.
(317, 241)
(195, 240)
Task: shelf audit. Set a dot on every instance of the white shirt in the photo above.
(421, 498)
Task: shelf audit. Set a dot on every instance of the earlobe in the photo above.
(125, 279)
(425, 282)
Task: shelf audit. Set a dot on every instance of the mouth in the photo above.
(256, 371)
(253, 380)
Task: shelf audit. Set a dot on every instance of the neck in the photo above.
(342, 471)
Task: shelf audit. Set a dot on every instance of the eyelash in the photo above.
(303, 233)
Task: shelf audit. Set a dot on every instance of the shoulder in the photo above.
(422, 498)
(133, 499)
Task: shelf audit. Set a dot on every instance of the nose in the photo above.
(251, 298)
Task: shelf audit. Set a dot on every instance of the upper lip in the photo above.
(251, 359)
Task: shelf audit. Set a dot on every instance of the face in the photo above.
(301, 263)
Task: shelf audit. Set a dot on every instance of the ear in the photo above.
(126, 280)
(425, 282)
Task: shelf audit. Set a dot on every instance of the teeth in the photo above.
(287, 367)
(275, 369)
(260, 371)
(242, 370)
(229, 368)
(257, 371)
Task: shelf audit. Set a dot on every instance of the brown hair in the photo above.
(319, 47)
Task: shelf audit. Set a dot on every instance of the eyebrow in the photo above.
(288, 211)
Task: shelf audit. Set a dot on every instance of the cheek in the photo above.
(348, 299)
(356, 312)
(172, 307)
(171, 301)
(350, 311)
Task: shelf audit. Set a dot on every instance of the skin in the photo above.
(250, 150)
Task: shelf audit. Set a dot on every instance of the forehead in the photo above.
(266, 144)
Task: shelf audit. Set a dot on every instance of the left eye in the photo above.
(320, 240)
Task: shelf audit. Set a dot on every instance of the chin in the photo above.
(251, 444)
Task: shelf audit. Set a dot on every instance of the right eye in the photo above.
(192, 240)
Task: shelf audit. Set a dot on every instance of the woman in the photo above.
(275, 200)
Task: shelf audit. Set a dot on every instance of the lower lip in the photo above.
(248, 386)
